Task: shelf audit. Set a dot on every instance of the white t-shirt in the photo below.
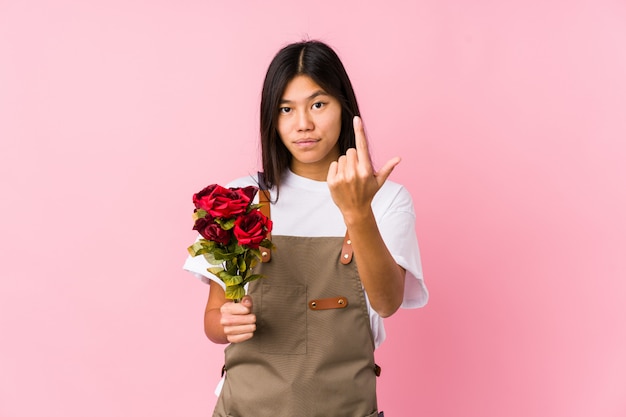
(305, 208)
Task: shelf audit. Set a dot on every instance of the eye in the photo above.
(284, 110)
(319, 105)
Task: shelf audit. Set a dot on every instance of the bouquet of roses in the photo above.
(233, 230)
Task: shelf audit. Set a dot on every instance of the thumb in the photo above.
(247, 301)
(385, 171)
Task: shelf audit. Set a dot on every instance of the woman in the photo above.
(302, 340)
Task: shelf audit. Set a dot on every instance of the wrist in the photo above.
(359, 218)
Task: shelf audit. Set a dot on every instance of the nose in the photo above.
(305, 122)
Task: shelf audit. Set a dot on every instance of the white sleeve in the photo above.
(197, 265)
(397, 228)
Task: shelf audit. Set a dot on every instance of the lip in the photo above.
(306, 142)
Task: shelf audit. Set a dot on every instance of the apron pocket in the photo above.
(282, 321)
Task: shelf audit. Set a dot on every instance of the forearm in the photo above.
(381, 276)
(212, 326)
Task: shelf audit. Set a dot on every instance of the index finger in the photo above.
(362, 151)
(235, 308)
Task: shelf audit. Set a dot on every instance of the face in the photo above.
(309, 123)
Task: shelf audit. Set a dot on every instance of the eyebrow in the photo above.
(309, 98)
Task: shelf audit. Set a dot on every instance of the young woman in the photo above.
(302, 340)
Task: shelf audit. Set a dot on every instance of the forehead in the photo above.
(301, 87)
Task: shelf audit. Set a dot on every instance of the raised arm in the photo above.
(353, 182)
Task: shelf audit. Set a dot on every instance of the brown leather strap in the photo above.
(328, 303)
(346, 250)
(264, 200)
(266, 254)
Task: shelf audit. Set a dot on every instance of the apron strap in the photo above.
(346, 250)
(264, 200)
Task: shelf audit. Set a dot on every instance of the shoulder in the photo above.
(244, 181)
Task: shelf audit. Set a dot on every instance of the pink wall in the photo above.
(510, 116)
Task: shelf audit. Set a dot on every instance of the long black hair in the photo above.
(319, 62)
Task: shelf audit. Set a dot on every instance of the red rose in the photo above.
(200, 199)
(222, 202)
(249, 191)
(252, 228)
(212, 231)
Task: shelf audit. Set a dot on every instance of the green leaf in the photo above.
(235, 292)
(266, 243)
(223, 254)
(199, 214)
(255, 255)
(238, 249)
(230, 280)
(253, 262)
(242, 264)
(253, 277)
(216, 270)
(210, 258)
(231, 267)
(201, 247)
(225, 224)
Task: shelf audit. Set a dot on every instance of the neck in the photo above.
(316, 172)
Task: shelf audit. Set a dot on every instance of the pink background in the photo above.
(510, 117)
